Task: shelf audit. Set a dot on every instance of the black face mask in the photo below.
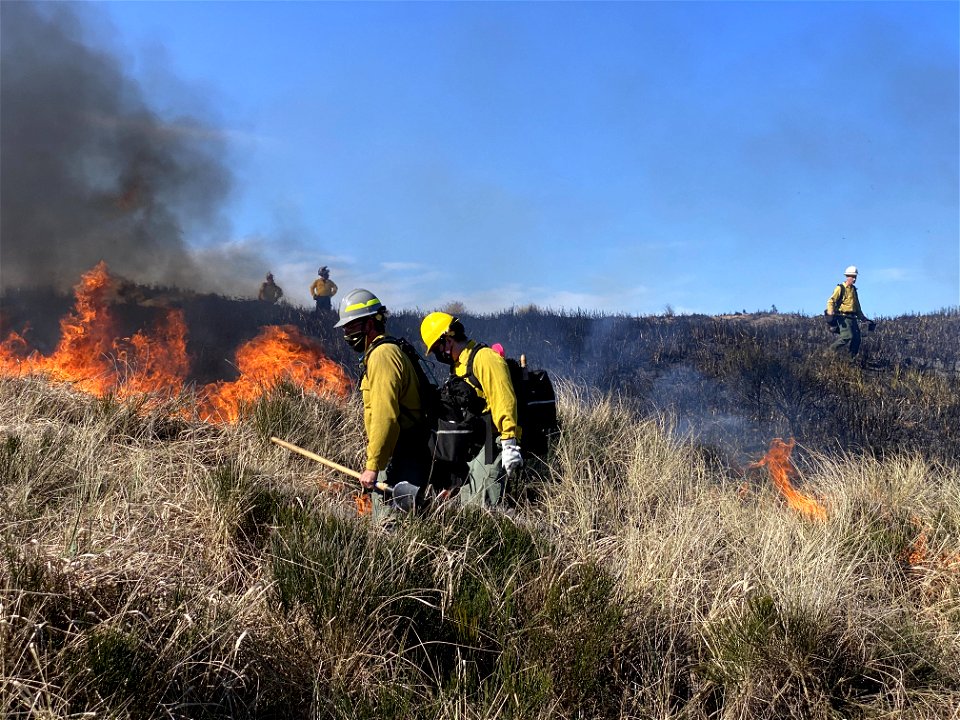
(443, 356)
(357, 340)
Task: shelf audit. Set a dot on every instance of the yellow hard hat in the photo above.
(433, 327)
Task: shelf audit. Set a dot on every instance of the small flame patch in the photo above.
(781, 469)
(364, 503)
(279, 352)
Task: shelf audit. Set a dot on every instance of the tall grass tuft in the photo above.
(156, 567)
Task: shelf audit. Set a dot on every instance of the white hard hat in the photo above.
(852, 270)
(356, 304)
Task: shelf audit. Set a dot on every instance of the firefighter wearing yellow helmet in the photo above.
(844, 314)
(396, 455)
(444, 337)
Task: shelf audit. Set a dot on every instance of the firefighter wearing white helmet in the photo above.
(322, 289)
(356, 304)
(396, 453)
(487, 372)
(844, 314)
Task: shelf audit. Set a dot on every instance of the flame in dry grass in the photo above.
(364, 503)
(277, 353)
(918, 554)
(777, 462)
(92, 357)
(160, 359)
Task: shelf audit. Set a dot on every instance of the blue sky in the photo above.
(612, 157)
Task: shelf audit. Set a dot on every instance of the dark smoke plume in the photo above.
(87, 171)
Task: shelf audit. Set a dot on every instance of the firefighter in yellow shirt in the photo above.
(487, 372)
(322, 289)
(396, 456)
(269, 291)
(844, 314)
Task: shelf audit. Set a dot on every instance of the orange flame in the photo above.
(161, 359)
(13, 352)
(90, 356)
(777, 462)
(364, 503)
(277, 353)
(918, 554)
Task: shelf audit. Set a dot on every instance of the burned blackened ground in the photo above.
(735, 382)
(35, 314)
(732, 383)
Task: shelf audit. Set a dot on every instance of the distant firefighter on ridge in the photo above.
(269, 291)
(844, 314)
(322, 290)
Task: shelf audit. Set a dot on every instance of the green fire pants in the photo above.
(849, 339)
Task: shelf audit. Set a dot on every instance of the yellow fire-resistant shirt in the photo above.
(850, 304)
(391, 401)
(323, 288)
(270, 292)
(495, 387)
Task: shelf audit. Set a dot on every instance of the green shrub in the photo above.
(118, 666)
(775, 659)
(575, 629)
(10, 458)
(244, 509)
(334, 568)
(279, 411)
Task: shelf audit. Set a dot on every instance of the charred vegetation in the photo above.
(732, 381)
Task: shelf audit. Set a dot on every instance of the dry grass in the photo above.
(154, 566)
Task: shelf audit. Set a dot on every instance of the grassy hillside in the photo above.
(733, 381)
(155, 566)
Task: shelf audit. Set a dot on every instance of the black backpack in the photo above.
(459, 427)
(536, 404)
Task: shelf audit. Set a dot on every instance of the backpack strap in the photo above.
(843, 289)
(383, 339)
(474, 382)
(472, 379)
(419, 371)
(409, 350)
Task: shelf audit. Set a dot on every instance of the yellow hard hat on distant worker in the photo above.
(433, 327)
